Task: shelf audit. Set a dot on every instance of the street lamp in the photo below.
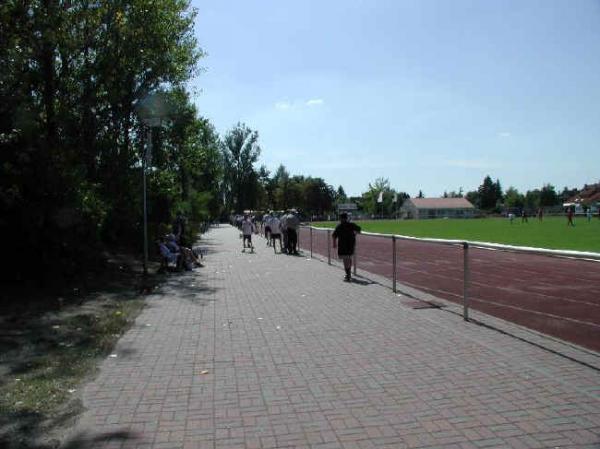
(151, 110)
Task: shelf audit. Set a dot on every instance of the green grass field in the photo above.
(552, 233)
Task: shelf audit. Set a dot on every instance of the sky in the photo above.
(432, 95)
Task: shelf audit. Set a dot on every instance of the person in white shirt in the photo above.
(267, 227)
(248, 229)
(275, 232)
(284, 230)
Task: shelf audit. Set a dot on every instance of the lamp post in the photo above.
(151, 111)
(146, 158)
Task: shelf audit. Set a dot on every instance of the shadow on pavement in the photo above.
(361, 281)
(82, 441)
(36, 438)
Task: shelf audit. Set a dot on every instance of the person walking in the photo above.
(570, 217)
(275, 233)
(345, 232)
(248, 229)
(267, 228)
(293, 223)
(284, 231)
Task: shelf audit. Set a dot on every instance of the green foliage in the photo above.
(454, 194)
(199, 209)
(317, 197)
(282, 189)
(548, 196)
(473, 198)
(490, 194)
(70, 137)
(566, 194)
(387, 207)
(240, 151)
(532, 199)
(513, 199)
(246, 187)
(340, 195)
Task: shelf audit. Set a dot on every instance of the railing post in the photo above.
(394, 263)
(311, 244)
(329, 246)
(466, 274)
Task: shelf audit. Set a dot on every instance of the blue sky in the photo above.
(432, 95)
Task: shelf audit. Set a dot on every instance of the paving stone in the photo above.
(267, 351)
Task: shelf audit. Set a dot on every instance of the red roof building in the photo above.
(589, 196)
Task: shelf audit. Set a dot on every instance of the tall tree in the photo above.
(567, 194)
(387, 207)
(548, 196)
(513, 199)
(318, 196)
(532, 199)
(282, 182)
(455, 194)
(498, 192)
(474, 198)
(489, 193)
(241, 179)
(340, 195)
(69, 136)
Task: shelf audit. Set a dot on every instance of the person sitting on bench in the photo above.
(168, 256)
(190, 258)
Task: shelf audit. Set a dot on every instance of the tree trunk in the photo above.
(48, 68)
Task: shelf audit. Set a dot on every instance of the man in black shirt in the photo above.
(346, 233)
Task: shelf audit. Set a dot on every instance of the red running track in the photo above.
(556, 296)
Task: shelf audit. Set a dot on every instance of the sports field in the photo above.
(558, 296)
(552, 232)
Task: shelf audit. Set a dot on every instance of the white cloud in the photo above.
(504, 134)
(314, 102)
(283, 105)
(472, 163)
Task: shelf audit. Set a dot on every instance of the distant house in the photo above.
(347, 208)
(437, 208)
(589, 197)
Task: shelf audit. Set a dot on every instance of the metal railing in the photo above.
(520, 284)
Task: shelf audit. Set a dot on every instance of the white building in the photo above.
(437, 208)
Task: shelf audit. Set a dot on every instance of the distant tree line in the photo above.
(491, 198)
(247, 186)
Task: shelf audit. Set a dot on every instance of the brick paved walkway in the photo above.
(273, 351)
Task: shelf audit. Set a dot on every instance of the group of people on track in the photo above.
(283, 228)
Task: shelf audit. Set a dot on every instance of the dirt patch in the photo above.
(51, 341)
